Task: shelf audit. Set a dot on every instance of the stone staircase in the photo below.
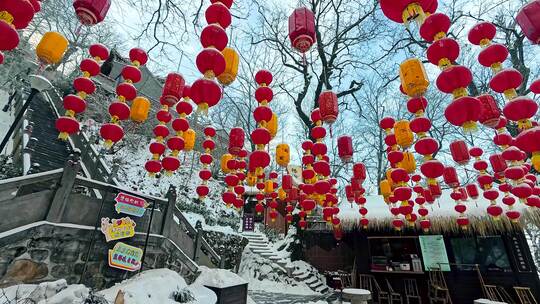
(260, 245)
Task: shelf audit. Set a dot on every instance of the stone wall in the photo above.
(51, 252)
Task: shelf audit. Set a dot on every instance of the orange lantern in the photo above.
(140, 109)
(408, 163)
(189, 140)
(413, 77)
(51, 48)
(224, 160)
(232, 60)
(283, 155)
(404, 135)
(272, 125)
(385, 188)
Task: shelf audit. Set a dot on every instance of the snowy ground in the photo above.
(261, 297)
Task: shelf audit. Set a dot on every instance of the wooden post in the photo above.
(60, 199)
(168, 221)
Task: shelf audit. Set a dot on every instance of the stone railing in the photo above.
(63, 197)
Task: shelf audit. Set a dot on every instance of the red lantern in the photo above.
(205, 93)
(450, 177)
(210, 62)
(302, 29)
(345, 148)
(443, 52)
(91, 12)
(236, 140)
(173, 89)
(328, 106)
(359, 172)
(214, 36)
(521, 109)
(528, 19)
(489, 111)
(472, 191)
(435, 27)
(404, 11)
(492, 56)
(17, 13)
(463, 112)
(497, 163)
(218, 13)
(535, 86)
(454, 80)
(482, 33)
(98, 51)
(460, 152)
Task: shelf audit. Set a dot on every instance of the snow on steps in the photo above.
(298, 270)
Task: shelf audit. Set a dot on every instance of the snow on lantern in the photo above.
(414, 80)
(91, 12)
(51, 48)
(404, 135)
(528, 19)
(460, 152)
(283, 154)
(139, 109)
(345, 148)
(302, 29)
(232, 60)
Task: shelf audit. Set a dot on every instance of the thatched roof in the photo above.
(442, 215)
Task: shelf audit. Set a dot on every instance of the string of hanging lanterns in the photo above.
(75, 104)
(14, 15)
(119, 110)
(260, 159)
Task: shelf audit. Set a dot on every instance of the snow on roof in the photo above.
(218, 278)
(441, 213)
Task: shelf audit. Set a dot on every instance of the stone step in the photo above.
(311, 280)
(315, 284)
(302, 276)
(321, 289)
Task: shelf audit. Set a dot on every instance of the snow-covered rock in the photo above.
(219, 278)
(157, 286)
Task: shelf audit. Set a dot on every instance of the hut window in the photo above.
(488, 252)
(393, 253)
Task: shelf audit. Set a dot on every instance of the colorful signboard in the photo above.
(117, 229)
(125, 257)
(129, 204)
(434, 252)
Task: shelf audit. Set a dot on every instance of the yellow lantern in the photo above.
(404, 135)
(251, 179)
(408, 163)
(385, 188)
(282, 195)
(389, 177)
(189, 139)
(51, 48)
(232, 60)
(272, 125)
(413, 77)
(139, 109)
(283, 155)
(224, 159)
(268, 186)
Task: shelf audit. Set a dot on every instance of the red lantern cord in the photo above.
(119, 110)
(76, 104)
